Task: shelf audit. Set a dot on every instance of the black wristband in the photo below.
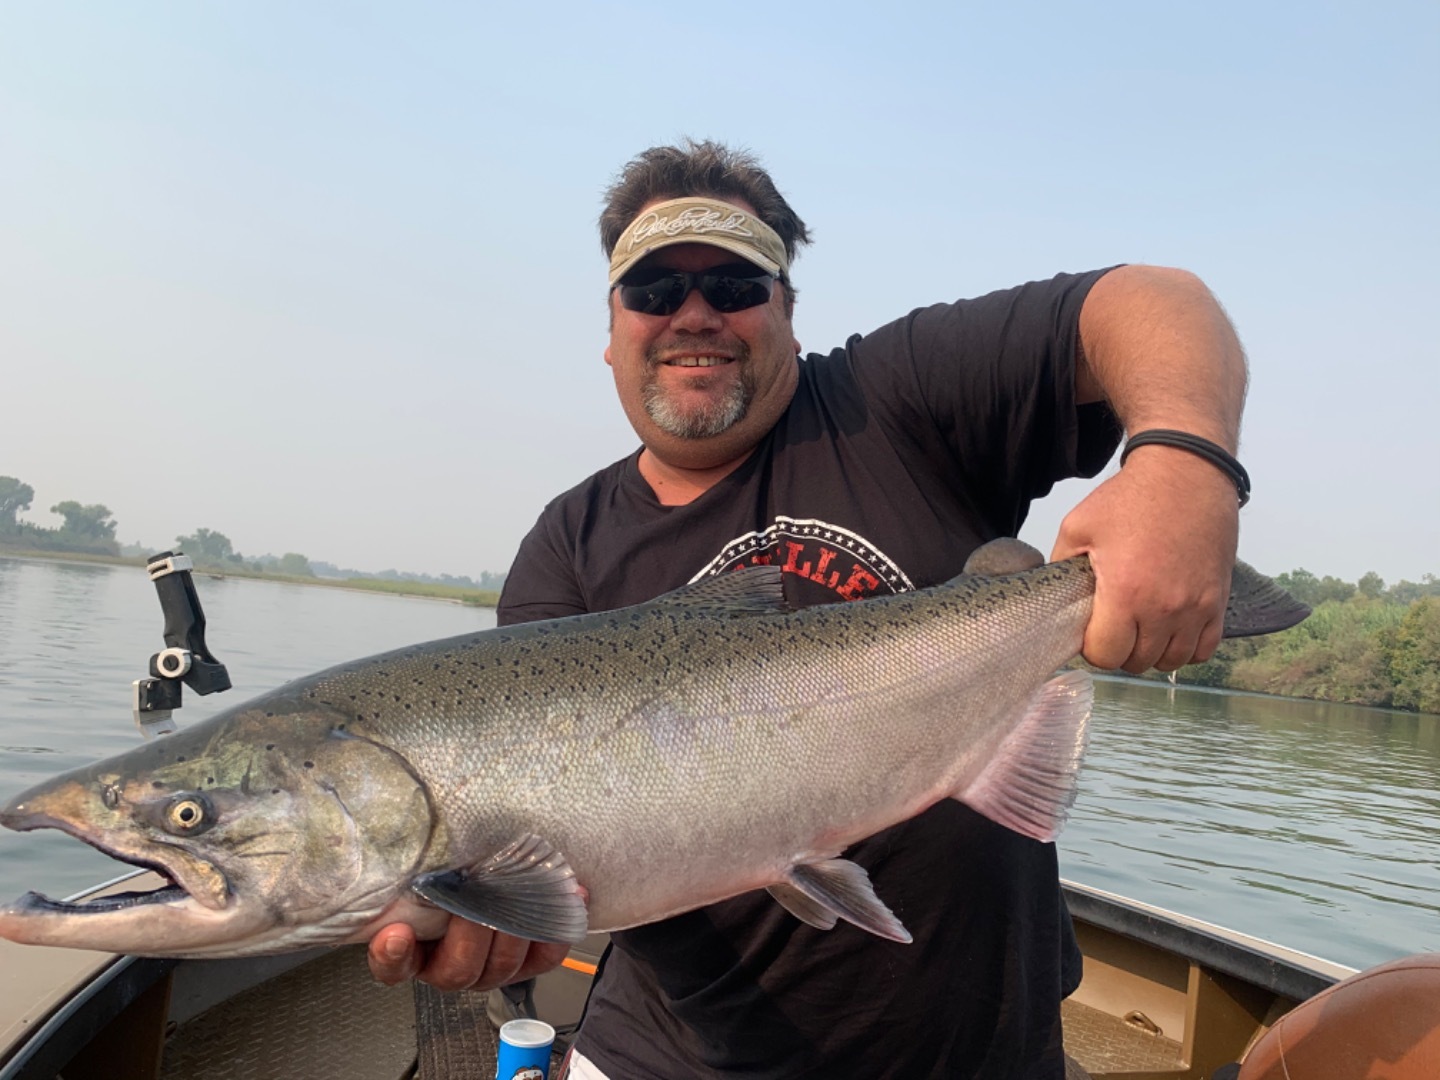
(1183, 440)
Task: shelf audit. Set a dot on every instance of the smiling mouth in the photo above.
(698, 361)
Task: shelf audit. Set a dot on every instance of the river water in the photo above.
(1313, 825)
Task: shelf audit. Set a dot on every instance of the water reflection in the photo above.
(1306, 822)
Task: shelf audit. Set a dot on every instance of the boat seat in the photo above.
(1382, 1022)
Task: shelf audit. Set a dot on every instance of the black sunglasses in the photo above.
(657, 290)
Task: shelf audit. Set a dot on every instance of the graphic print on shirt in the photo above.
(842, 563)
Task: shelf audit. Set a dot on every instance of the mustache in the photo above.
(689, 344)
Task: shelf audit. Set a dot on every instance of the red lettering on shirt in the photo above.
(826, 555)
(791, 560)
(860, 584)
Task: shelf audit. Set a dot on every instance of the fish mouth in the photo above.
(175, 918)
(34, 903)
(186, 876)
(164, 921)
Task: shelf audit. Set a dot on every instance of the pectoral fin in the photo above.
(838, 887)
(526, 889)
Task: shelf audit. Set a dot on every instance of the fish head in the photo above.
(275, 828)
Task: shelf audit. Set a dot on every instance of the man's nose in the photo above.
(696, 315)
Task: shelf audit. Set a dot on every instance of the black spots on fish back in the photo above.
(157, 785)
(309, 764)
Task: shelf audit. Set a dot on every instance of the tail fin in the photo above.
(1259, 606)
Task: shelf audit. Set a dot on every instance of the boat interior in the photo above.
(1164, 997)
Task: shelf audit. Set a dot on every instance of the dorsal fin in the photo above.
(1007, 555)
(754, 590)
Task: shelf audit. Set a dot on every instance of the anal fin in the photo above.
(526, 889)
(1029, 785)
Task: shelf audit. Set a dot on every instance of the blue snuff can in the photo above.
(525, 1050)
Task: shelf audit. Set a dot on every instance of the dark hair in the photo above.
(698, 168)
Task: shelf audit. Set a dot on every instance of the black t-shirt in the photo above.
(900, 454)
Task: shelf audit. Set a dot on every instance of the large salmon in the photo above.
(596, 772)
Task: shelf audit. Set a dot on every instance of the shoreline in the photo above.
(479, 598)
(449, 594)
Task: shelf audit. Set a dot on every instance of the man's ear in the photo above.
(607, 356)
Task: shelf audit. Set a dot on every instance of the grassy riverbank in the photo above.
(451, 593)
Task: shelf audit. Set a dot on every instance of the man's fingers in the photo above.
(1177, 652)
(542, 957)
(459, 958)
(1209, 640)
(395, 956)
(1109, 638)
(507, 954)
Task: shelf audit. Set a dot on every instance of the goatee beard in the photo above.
(707, 419)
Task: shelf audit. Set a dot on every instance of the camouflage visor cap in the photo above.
(699, 221)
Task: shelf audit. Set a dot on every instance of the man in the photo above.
(876, 468)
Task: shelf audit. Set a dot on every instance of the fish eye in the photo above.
(110, 797)
(188, 815)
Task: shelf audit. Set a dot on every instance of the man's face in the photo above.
(701, 387)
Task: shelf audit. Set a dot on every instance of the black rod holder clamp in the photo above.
(186, 658)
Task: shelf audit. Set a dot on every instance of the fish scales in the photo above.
(813, 720)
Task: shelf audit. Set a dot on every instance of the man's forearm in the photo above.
(1158, 347)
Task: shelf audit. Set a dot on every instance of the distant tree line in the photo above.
(1365, 644)
(87, 530)
(90, 530)
(213, 550)
(486, 582)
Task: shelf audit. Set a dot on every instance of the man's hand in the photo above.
(1161, 535)
(468, 957)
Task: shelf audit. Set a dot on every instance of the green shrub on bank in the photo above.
(1415, 657)
(1340, 653)
(1365, 650)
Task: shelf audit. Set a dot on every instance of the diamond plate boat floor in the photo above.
(1104, 1044)
(457, 1038)
(327, 1018)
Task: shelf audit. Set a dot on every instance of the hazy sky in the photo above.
(325, 276)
